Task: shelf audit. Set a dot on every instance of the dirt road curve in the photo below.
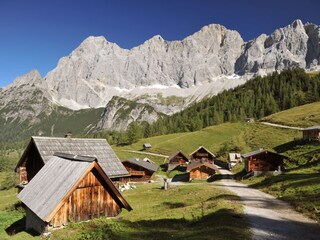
(271, 218)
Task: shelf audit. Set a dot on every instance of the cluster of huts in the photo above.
(199, 164)
(75, 179)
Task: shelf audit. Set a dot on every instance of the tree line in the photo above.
(257, 98)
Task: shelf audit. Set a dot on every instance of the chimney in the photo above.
(68, 135)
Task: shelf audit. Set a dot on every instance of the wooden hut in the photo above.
(311, 133)
(263, 161)
(234, 159)
(202, 154)
(41, 149)
(201, 169)
(146, 146)
(69, 188)
(177, 159)
(139, 170)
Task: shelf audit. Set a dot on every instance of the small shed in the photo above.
(139, 170)
(41, 149)
(177, 159)
(311, 133)
(69, 188)
(234, 159)
(146, 146)
(201, 169)
(262, 161)
(202, 154)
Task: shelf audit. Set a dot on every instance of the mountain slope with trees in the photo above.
(257, 98)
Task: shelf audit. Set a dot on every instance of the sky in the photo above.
(35, 34)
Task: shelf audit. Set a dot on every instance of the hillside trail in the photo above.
(281, 126)
(271, 218)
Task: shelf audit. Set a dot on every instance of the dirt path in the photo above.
(269, 217)
(281, 126)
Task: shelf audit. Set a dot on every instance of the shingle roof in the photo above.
(176, 153)
(147, 165)
(53, 182)
(97, 148)
(196, 164)
(257, 152)
(204, 149)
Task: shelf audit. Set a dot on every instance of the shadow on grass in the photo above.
(212, 226)
(19, 226)
(181, 177)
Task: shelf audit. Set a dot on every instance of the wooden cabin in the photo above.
(202, 154)
(139, 170)
(234, 159)
(69, 188)
(41, 149)
(311, 133)
(177, 159)
(263, 161)
(146, 146)
(201, 169)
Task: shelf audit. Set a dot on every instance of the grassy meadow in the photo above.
(303, 116)
(198, 210)
(190, 211)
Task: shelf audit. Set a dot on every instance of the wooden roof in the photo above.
(97, 148)
(146, 165)
(173, 155)
(202, 147)
(260, 151)
(58, 178)
(196, 164)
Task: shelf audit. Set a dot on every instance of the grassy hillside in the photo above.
(302, 116)
(246, 136)
(299, 185)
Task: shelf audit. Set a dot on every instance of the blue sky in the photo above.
(35, 34)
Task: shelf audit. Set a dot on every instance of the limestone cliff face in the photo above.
(180, 72)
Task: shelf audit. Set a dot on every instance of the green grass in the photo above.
(191, 211)
(302, 116)
(11, 214)
(212, 138)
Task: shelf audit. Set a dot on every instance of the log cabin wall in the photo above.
(137, 173)
(202, 155)
(201, 172)
(311, 134)
(30, 166)
(263, 163)
(90, 200)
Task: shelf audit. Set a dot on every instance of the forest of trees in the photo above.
(257, 98)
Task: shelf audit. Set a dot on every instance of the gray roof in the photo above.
(176, 153)
(249, 154)
(147, 165)
(261, 150)
(52, 183)
(97, 148)
(196, 164)
(47, 189)
(312, 128)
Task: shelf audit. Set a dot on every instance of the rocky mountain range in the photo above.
(165, 76)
